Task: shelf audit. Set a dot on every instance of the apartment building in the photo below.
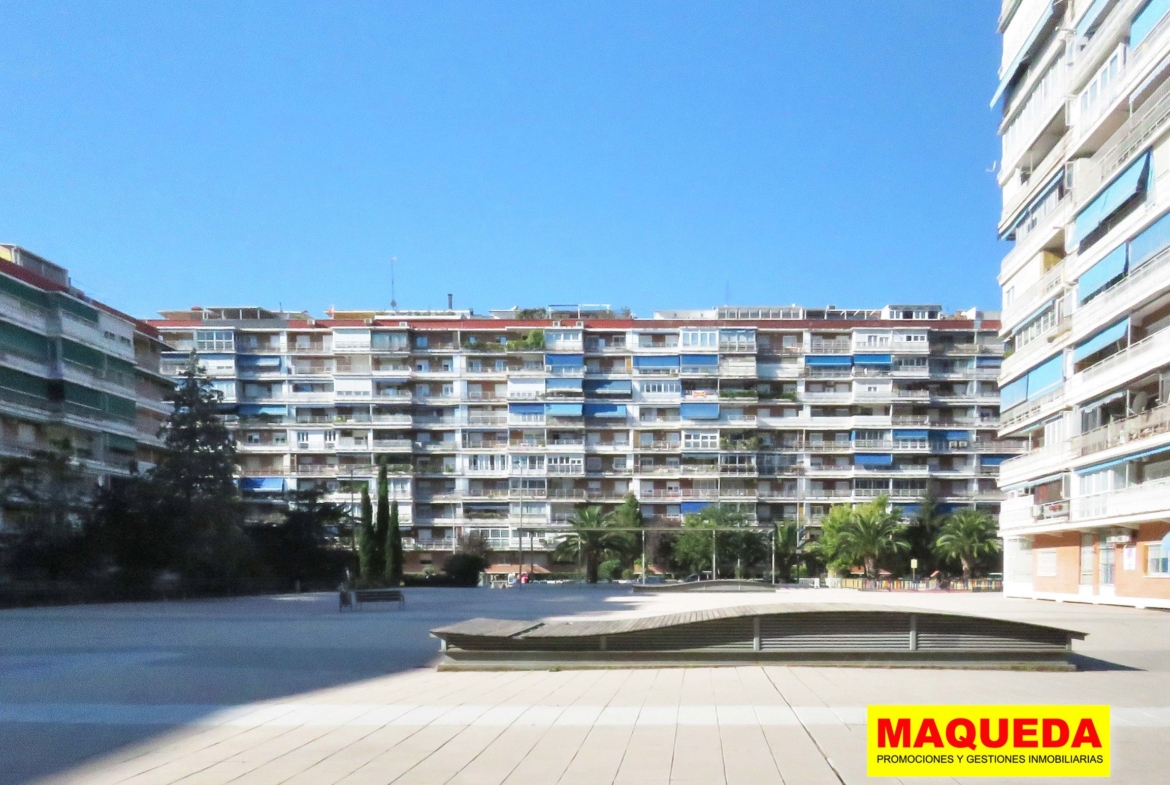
(504, 424)
(73, 369)
(1085, 92)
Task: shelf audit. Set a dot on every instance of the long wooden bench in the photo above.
(354, 599)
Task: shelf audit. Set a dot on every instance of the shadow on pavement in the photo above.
(215, 653)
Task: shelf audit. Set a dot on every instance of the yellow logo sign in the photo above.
(987, 741)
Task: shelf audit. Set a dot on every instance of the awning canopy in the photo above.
(693, 507)
(268, 484)
(956, 436)
(872, 359)
(1025, 51)
(1088, 22)
(609, 387)
(564, 360)
(911, 434)
(526, 408)
(1099, 467)
(563, 410)
(606, 410)
(258, 361)
(656, 361)
(1111, 267)
(253, 410)
(993, 460)
(876, 459)
(703, 360)
(1110, 335)
(1152, 241)
(1146, 20)
(1123, 188)
(699, 411)
(828, 359)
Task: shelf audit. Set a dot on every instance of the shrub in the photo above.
(610, 569)
(464, 568)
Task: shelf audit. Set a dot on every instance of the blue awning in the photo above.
(993, 460)
(564, 360)
(956, 436)
(1101, 340)
(872, 359)
(1103, 273)
(988, 362)
(526, 408)
(1090, 18)
(606, 410)
(1046, 377)
(1098, 467)
(609, 387)
(252, 410)
(693, 507)
(563, 410)
(655, 361)
(564, 383)
(876, 459)
(1037, 200)
(699, 411)
(1145, 21)
(705, 360)
(1150, 242)
(269, 484)
(254, 361)
(1009, 73)
(910, 510)
(1123, 188)
(1013, 393)
(911, 434)
(828, 359)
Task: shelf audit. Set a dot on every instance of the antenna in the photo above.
(393, 299)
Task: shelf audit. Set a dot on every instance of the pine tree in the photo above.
(394, 548)
(367, 547)
(381, 565)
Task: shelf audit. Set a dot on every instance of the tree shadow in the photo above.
(1084, 663)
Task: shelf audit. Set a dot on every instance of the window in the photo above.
(1157, 562)
(527, 463)
(661, 388)
(214, 341)
(1087, 543)
(1100, 90)
(1045, 562)
(1108, 556)
(564, 464)
(700, 440)
(700, 338)
(619, 463)
(1036, 328)
(1039, 100)
(420, 341)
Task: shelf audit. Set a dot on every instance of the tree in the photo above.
(394, 548)
(593, 539)
(628, 515)
(966, 536)
(200, 457)
(296, 549)
(787, 550)
(368, 565)
(381, 565)
(863, 535)
(923, 532)
(741, 550)
(46, 500)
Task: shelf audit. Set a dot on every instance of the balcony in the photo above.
(1137, 360)
(1151, 277)
(1147, 424)
(1148, 501)
(839, 346)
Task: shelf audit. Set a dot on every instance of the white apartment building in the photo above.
(1085, 92)
(505, 424)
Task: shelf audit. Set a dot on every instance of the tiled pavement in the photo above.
(221, 692)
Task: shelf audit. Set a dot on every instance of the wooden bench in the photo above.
(354, 599)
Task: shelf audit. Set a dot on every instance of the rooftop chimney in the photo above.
(450, 302)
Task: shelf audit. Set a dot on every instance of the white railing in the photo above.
(1153, 347)
(1153, 422)
(1147, 498)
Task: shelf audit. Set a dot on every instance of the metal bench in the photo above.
(355, 599)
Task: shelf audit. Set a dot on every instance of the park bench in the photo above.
(354, 599)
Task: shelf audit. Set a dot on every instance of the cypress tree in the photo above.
(394, 548)
(382, 526)
(367, 546)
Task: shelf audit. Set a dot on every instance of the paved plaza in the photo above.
(287, 690)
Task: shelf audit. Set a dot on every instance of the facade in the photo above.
(73, 369)
(1086, 299)
(502, 425)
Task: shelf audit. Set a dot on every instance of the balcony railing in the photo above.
(1150, 498)
(1152, 422)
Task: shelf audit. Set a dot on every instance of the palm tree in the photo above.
(967, 535)
(871, 532)
(592, 542)
(787, 549)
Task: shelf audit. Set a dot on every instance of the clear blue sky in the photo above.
(645, 154)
